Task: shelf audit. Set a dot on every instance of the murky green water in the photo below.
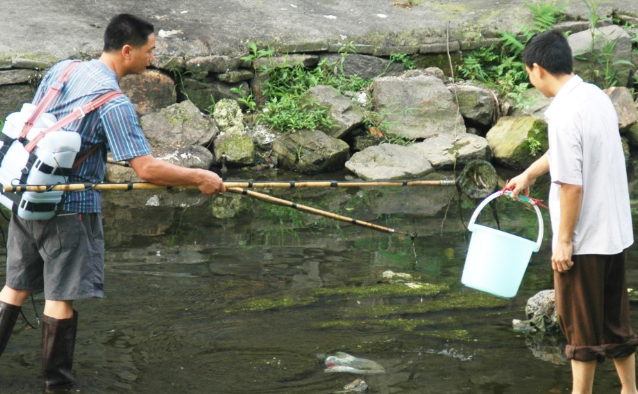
(249, 304)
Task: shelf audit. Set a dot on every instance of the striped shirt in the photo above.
(114, 126)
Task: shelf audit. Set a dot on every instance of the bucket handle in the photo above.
(496, 195)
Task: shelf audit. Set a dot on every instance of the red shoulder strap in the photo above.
(77, 114)
(48, 98)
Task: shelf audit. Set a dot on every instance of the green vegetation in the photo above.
(502, 67)
(384, 290)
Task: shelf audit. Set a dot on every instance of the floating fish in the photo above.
(344, 362)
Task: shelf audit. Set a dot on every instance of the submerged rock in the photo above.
(357, 386)
(388, 161)
(344, 362)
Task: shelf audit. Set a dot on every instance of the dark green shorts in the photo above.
(63, 256)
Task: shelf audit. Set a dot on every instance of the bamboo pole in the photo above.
(72, 187)
(286, 203)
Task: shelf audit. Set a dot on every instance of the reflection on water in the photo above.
(234, 296)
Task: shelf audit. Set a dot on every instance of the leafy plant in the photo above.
(404, 59)
(245, 98)
(256, 53)
(534, 146)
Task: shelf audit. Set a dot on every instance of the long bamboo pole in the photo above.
(72, 187)
(279, 201)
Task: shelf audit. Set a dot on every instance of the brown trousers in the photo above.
(593, 308)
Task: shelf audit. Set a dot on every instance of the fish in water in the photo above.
(344, 362)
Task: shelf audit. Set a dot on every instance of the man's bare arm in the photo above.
(571, 198)
(161, 172)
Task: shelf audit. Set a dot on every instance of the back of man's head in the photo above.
(126, 29)
(551, 51)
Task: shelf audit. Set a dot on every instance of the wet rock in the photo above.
(531, 103)
(202, 93)
(215, 64)
(417, 107)
(547, 348)
(388, 161)
(236, 76)
(364, 66)
(623, 101)
(150, 92)
(180, 125)
(344, 362)
(14, 77)
(344, 115)
(12, 97)
(357, 386)
(581, 44)
(477, 104)
(396, 275)
(517, 142)
(310, 152)
(227, 205)
(541, 314)
(444, 151)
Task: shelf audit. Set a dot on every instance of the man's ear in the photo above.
(126, 52)
(540, 70)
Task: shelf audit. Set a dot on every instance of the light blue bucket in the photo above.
(496, 261)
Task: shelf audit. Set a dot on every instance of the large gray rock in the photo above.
(581, 44)
(12, 97)
(345, 116)
(517, 142)
(389, 161)
(625, 107)
(444, 151)
(310, 151)
(477, 104)
(365, 66)
(203, 93)
(180, 125)
(417, 107)
(234, 145)
(150, 91)
(531, 103)
(228, 116)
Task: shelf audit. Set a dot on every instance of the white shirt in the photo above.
(585, 149)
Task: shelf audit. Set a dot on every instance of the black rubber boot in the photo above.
(8, 316)
(58, 345)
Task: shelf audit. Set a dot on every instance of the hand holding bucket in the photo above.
(496, 261)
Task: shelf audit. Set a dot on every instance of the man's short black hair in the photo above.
(551, 51)
(126, 29)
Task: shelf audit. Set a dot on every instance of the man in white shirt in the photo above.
(590, 214)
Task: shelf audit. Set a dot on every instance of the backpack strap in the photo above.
(85, 156)
(49, 97)
(77, 114)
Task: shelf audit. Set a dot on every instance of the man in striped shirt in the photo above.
(65, 256)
